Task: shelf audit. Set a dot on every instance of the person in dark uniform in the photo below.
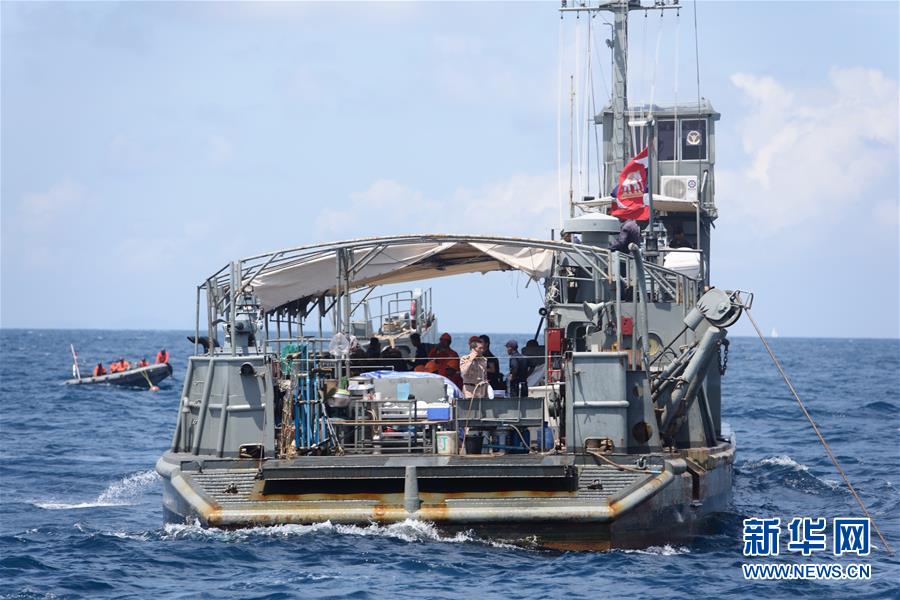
(373, 350)
(421, 350)
(494, 376)
(678, 240)
(629, 233)
(518, 371)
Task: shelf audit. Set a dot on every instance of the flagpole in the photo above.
(652, 245)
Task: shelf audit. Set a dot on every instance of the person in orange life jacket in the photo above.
(162, 356)
(143, 363)
(99, 370)
(443, 357)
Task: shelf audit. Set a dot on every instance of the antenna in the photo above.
(619, 44)
(571, 144)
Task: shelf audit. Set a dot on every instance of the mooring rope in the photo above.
(149, 383)
(815, 427)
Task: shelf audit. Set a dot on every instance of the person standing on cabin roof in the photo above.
(99, 370)
(629, 233)
(162, 356)
(473, 367)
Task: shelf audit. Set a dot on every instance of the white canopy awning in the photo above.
(380, 264)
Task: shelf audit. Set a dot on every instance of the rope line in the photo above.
(809, 418)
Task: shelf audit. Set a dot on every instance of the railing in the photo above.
(400, 313)
(617, 269)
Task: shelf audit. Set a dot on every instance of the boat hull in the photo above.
(132, 378)
(671, 504)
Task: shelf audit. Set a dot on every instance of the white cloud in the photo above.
(42, 208)
(522, 205)
(813, 155)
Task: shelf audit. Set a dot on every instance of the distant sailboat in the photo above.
(774, 333)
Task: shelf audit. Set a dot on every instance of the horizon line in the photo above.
(796, 337)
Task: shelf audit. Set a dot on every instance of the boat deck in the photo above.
(306, 493)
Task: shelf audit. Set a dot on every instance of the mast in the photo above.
(620, 136)
(622, 150)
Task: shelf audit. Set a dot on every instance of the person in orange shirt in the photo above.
(143, 363)
(124, 365)
(162, 356)
(444, 357)
(99, 370)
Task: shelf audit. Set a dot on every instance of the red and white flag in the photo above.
(630, 200)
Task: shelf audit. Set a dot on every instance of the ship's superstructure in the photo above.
(618, 440)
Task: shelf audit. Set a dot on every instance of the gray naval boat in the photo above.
(620, 443)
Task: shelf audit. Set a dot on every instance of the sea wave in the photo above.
(783, 460)
(782, 470)
(124, 492)
(666, 550)
(409, 530)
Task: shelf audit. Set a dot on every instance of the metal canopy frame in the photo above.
(353, 255)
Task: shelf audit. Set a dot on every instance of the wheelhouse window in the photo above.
(693, 139)
(665, 140)
(638, 137)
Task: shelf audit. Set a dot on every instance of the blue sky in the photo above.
(146, 144)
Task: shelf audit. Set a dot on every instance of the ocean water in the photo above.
(81, 517)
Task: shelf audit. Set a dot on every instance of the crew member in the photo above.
(373, 350)
(99, 370)
(534, 354)
(124, 365)
(678, 240)
(143, 363)
(392, 357)
(421, 350)
(518, 371)
(356, 352)
(473, 367)
(162, 356)
(494, 376)
(629, 233)
(442, 358)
